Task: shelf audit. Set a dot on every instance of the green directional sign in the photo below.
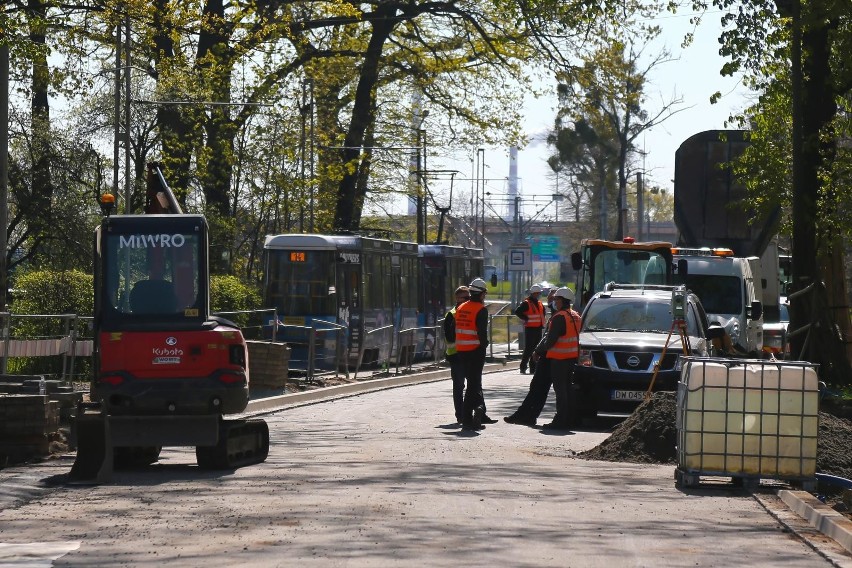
(545, 249)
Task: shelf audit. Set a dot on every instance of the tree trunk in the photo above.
(817, 255)
(42, 187)
(350, 197)
(174, 129)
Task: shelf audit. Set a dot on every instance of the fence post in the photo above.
(311, 354)
(344, 348)
(390, 351)
(7, 333)
(275, 325)
(491, 334)
(73, 342)
(66, 332)
(398, 348)
(435, 346)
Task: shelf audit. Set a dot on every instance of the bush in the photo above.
(228, 294)
(42, 293)
(49, 292)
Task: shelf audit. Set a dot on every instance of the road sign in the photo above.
(520, 258)
(545, 249)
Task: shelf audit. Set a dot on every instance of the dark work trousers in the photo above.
(537, 395)
(532, 337)
(562, 374)
(457, 374)
(472, 363)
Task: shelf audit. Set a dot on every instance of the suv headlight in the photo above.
(585, 358)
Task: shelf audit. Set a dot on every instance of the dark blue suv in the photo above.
(624, 330)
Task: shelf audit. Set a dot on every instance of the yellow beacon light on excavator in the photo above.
(107, 203)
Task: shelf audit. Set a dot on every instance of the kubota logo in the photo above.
(171, 341)
(165, 352)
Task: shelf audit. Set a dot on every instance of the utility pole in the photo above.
(640, 206)
(421, 230)
(127, 177)
(116, 142)
(4, 174)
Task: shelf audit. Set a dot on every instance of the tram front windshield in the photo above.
(301, 283)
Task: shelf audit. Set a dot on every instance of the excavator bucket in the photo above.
(94, 462)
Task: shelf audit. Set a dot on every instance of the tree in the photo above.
(793, 52)
(608, 94)
(588, 155)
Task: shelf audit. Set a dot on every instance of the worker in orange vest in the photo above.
(471, 341)
(531, 310)
(456, 370)
(556, 355)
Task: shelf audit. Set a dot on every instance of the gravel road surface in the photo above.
(388, 479)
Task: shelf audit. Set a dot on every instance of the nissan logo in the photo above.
(633, 361)
(171, 340)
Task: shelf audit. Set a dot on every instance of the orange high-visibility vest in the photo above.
(535, 314)
(568, 345)
(467, 337)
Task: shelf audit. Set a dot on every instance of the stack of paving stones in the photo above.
(27, 422)
(268, 365)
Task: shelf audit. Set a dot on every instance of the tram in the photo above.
(362, 285)
(443, 269)
(368, 288)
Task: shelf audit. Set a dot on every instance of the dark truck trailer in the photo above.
(710, 208)
(711, 212)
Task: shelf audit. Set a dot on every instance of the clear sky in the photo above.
(692, 75)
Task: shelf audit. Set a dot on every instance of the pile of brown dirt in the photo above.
(649, 435)
(833, 448)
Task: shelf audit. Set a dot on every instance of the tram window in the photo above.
(300, 288)
(377, 281)
(408, 282)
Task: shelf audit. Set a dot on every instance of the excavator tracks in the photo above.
(241, 443)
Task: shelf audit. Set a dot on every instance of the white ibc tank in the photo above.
(748, 418)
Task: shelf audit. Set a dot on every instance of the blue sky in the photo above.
(693, 76)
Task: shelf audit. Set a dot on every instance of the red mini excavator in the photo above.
(166, 370)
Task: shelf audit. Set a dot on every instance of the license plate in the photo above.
(638, 396)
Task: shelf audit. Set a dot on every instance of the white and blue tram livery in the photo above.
(362, 283)
(443, 269)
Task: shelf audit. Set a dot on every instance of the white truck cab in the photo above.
(729, 291)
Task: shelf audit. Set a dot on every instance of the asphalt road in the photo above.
(387, 479)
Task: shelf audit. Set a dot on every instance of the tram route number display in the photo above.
(298, 256)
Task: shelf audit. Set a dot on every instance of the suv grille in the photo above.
(632, 361)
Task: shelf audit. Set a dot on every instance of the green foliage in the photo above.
(44, 293)
(52, 292)
(604, 109)
(228, 294)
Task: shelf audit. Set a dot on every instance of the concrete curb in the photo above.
(273, 402)
(819, 515)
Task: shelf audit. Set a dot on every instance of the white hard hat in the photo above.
(535, 289)
(477, 286)
(565, 293)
